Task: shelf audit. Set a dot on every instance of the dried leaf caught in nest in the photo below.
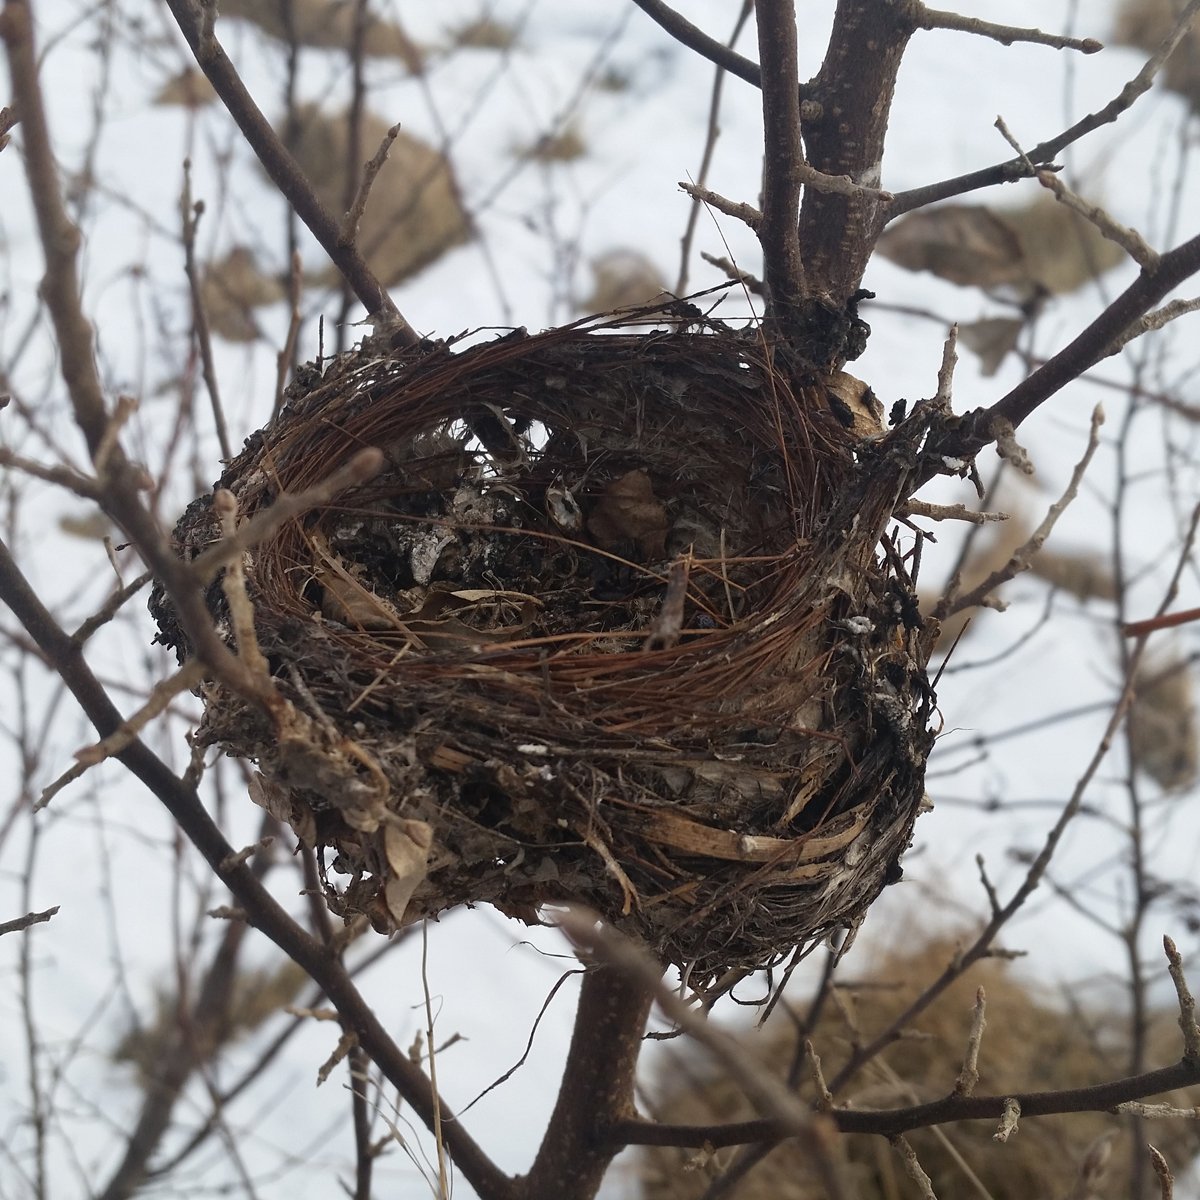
(1041, 247)
(406, 845)
(232, 288)
(1145, 23)
(1162, 724)
(413, 214)
(629, 515)
(327, 25)
(622, 279)
(862, 405)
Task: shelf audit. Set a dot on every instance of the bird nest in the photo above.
(616, 623)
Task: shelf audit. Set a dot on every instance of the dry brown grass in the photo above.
(1032, 1042)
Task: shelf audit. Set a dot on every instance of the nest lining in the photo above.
(612, 626)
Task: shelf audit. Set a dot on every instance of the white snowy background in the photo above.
(104, 846)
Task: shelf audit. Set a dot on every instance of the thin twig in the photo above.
(349, 230)
(1187, 1002)
(912, 1168)
(1022, 558)
(1015, 168)
(968, 1076)
(932, 18)
(33, 918)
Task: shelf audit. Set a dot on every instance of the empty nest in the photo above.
(617, 624)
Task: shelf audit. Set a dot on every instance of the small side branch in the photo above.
(33, 918)
(687, 34)
(1046, 152)
(932, 18)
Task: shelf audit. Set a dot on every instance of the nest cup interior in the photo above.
(612, 626)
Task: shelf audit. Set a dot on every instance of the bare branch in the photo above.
(746, 213)
(1008, 1119)
(1016, 168)
(1093, 344)
(684, 32)
(1022, 558)
(33, 918)
(932, 18)
(349, 230)
(1128, 239)
(1155, 320)
(912, 1168)
(1187, 1002)
(191, 212)
(1166, 1181)
(782, 156)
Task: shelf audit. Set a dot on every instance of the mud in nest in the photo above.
(614, 625)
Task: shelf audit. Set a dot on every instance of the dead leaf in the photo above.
(232, 288)
(628, 515)
(992, 339)
(189, 89)
(414, 213)
(1040, 247)
(406, 846)
(964, 243)
(862, 402)
(622, 279)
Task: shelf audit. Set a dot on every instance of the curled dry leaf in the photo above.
(629, 516)
(992, 339)
(864, 410)
(413, 214)
(232, 288)
(1042, 247)
(406, 844)
(622, 279)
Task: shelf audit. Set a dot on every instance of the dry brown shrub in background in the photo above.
(1144, 23)
(1040, 247)
(1032, 1041)
(558, 146)
(188, 89)
(483, 32)
(327, 25)
(622, 278)
(232, 288)
(1162, 723)
(414, 213)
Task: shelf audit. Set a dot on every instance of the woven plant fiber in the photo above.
(616, 624)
